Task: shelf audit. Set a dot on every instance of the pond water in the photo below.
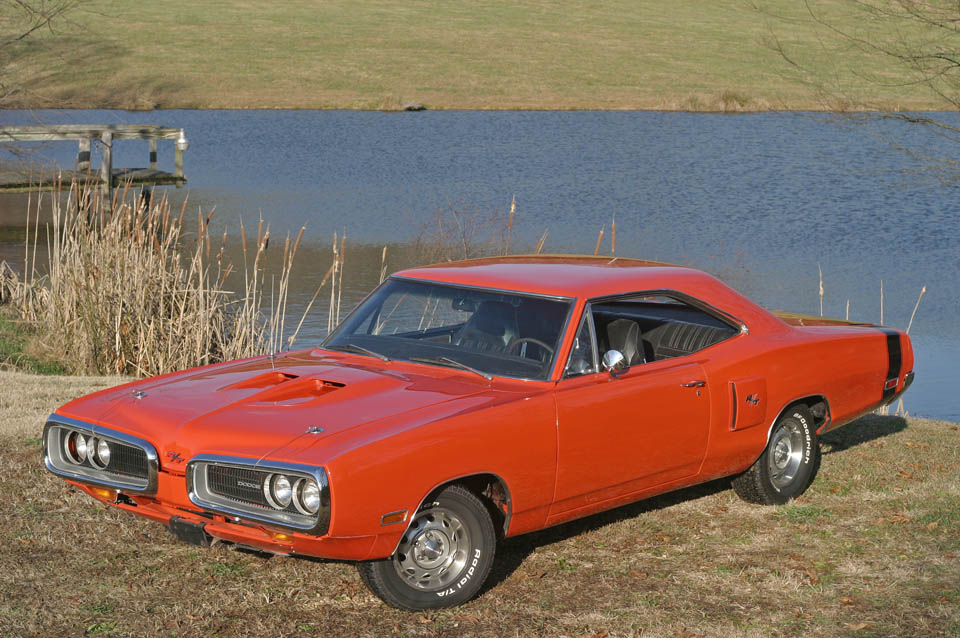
(760, 200)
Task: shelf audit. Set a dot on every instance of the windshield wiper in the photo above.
(352, 347)
(453, 363)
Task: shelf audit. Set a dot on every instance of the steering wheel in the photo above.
(536, 342)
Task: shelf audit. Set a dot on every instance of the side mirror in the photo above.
(615, 363)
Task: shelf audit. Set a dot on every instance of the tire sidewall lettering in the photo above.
(807, 437)
(468, 574)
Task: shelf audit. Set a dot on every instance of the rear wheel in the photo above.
(443, 558)
(788, 464)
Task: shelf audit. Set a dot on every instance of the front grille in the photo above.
(237, 484)
(132, 465)
(240, 487)
(126, 461)
(129, 461)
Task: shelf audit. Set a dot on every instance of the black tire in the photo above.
(788, 464)
(443, 559)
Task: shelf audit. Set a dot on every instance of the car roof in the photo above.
(559, 275)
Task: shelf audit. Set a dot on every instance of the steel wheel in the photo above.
(786, 453)
(433, 552)
(442, 559)
(787, 465)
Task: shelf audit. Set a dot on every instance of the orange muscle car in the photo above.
(466, 402)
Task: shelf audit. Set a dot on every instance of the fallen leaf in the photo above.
(932, 526)
(858, 626)
(904, 474)
(636, 573)
(470, 618)
(601, 633)
(846, 600)
(424, 620)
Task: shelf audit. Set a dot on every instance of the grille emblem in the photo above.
(248, 484)
(175, 457)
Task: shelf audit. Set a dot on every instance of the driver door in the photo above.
(620, 435)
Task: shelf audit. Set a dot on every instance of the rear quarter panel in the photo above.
(846, 365)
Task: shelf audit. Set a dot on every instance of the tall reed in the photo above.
(132, 287)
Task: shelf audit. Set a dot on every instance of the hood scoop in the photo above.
(265, 380)
(297, 391)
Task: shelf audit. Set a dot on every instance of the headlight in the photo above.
(306, 496)
(278, 491)
(103, 452)
(99, 453)
(75, 447)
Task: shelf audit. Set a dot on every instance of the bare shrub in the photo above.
(462, 232)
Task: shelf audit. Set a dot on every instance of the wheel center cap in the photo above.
(430, 548)
(781, 453)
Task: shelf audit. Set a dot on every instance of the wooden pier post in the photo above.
(106, 163)
(153, 153)
(83, 157)
(178, 162)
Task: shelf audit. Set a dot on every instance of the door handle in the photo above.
(694, 384)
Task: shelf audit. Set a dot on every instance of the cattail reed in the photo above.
(128, 289)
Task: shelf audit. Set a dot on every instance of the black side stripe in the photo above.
(895, 358)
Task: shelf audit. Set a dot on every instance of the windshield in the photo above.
(484, 331)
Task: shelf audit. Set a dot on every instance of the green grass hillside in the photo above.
(449, 54)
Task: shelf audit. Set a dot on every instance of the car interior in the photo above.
(656, 328)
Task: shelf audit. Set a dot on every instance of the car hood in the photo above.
(265, 406)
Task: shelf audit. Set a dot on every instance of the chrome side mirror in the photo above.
(615, 363)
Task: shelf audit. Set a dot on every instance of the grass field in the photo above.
(449, 54)
(870, 550)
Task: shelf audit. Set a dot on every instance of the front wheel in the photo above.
(443, 558)
(788, 464)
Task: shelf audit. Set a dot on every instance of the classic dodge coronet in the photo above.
(465, 402)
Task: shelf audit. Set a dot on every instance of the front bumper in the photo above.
(231, 529)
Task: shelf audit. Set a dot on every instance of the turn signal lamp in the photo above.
(107, 495)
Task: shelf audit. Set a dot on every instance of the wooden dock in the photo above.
(21, 177)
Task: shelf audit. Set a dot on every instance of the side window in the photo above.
(581, 359)
(649, 328)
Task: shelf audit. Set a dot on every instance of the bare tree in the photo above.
(21, 22)
(916, 41)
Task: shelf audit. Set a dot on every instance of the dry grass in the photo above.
(870, 550)
(135, 288)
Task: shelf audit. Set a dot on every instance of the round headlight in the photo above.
(307, 496)
(103, 452)
(278, 491)
(99, 451)
(75, 447)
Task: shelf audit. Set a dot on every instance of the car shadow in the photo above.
(863, 430)
(512, 552)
